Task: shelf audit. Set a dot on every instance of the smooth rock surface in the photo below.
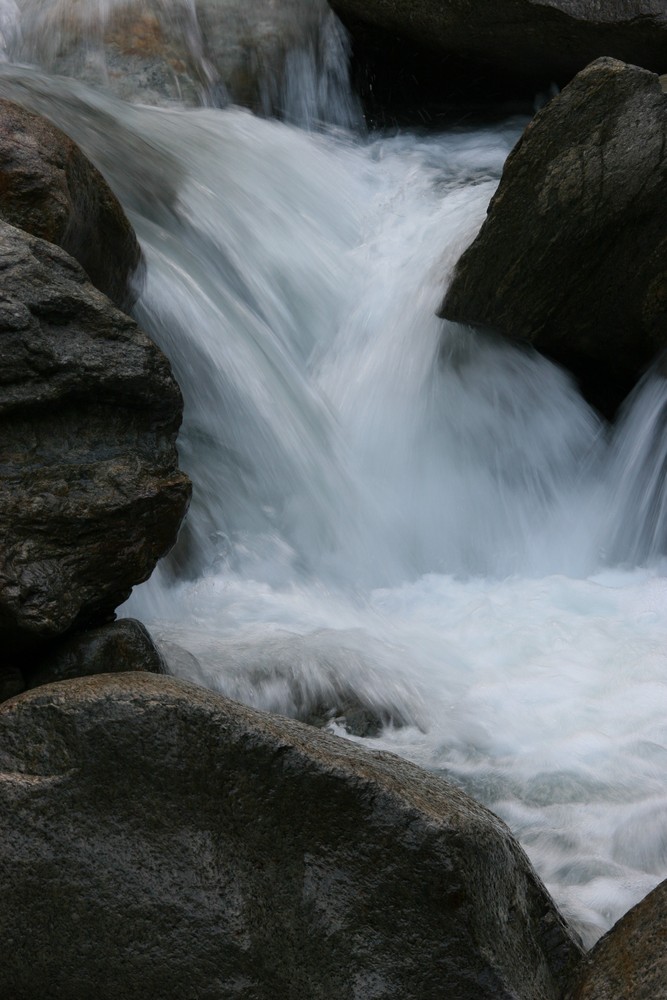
(572, 257)
(161, 841)
(90, 491)
(542, 40)
(50, 189)
(630, 961)
(120, 647)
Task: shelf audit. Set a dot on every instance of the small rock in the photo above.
(119, 647)
(351, 713)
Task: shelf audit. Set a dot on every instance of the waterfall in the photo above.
(391, 512)
(288, 58)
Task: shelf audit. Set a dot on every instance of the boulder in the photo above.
(630, 961)
(90, 491)
(50, 189)
(572, 257)
(540, 40)
(119, 647)
(162, 841)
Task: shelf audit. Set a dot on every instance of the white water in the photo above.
(390, 509)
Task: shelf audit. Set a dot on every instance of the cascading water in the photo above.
(288, 57)
(390, 511)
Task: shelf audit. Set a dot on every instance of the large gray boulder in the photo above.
(538, 39)
(50, 189)
(630, 962)
(90, 491)
(158, 840)
(572, 257)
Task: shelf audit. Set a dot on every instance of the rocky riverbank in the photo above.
(159, 840)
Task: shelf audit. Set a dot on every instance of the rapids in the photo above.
(391, 510)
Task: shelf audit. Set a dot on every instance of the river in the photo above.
(392, 512)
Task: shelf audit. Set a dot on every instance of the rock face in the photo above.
(630, 962)
(572, 257)
(50, 189)
(116, 648)
(161, 841)
(542, 40)
(90, 492)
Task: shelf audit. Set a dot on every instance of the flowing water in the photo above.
(394, 518)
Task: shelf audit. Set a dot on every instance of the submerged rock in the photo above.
(50, 189)
(630, 961)
(116, 648)
(173, 843)
(356, 712)
(572, 257)
(90, 491)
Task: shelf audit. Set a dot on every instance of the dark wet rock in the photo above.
(352, 714)
(90, 491)
(572, 257)
(630, 961)
(119, 647)
(539, 40)
(50, 189)
(12, 681)
(162, 841)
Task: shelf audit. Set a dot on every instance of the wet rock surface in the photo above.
(173, 843)
(119, 647)
(50, 189)
(90, 491)
(630, 962)
(572, 257)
